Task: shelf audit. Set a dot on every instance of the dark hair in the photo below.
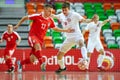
(48, 5)
(66, 5)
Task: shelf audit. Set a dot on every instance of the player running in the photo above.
(41, 23)
(70, 19)
(10, 37)
(94, 29)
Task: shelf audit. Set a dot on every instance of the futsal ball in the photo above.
(82, 64)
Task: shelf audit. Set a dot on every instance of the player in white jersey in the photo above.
(94, 29)
(71, 20)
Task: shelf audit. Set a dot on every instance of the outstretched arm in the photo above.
(86, 20)
(54, 16)
(105, 21)
(69, 30)
(21, 21)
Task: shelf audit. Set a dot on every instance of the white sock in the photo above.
(88, 63)
(101, 58)
(84, 52)
(61, 63)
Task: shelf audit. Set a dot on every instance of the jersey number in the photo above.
(43, 26)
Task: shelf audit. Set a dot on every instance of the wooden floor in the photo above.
(62, 76)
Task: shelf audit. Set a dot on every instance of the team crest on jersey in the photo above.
(11, 36)
(68, 19)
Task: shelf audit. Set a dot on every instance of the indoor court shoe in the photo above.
(11, 70)
(101, 69)
(19, 67)
(60, 70)
(43, 66)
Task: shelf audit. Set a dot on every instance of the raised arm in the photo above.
(105, 21)
(86, 20)
(69, 30)
(21, 21)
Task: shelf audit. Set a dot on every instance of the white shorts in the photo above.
(70, 42)
(94, 44)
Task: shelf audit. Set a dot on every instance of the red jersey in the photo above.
(40, 25)
(10, 39)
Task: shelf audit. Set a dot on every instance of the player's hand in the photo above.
(15, 27)
(70, 30)
(17, 43)
(0, 41)
(108, 19)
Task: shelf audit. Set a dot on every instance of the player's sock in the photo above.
(38, 56)
(101, 58)
(26, 61)
(61, 63)
(40, 59)
(9, 63)
(84, 52)
(88, 62)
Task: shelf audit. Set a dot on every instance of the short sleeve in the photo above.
(100, 23)
(33, 16)
(52, 23)
(17, 35)
(78, 17)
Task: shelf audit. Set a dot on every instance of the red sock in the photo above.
(39, 56)
(26, 61)
(9, 63)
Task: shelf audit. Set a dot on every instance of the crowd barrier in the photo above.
(111, 61)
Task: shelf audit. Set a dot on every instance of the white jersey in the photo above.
(94, 30)
(71, 21)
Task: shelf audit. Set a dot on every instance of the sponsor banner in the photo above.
(111, 60)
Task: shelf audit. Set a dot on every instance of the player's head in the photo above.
(10, 28)
(66, 8)
(95, 18)
(48, 10)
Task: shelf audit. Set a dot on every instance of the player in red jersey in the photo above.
(41, 23)
(10, 37)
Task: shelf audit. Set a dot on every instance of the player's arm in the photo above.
(105, 21)
(1, 40)
(84, 31)
(21, 21)
(54, 16)
(19, 40)
(86, 20)
(69, 30)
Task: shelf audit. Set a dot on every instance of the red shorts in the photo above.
(9, 52)
(32, 40)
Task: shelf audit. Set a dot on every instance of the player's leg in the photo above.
(38, 55)
(8, 60)
(90, 49)
(101, 56)
(67, 44)
(28, 60)
(83, 49)
(35, 43)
